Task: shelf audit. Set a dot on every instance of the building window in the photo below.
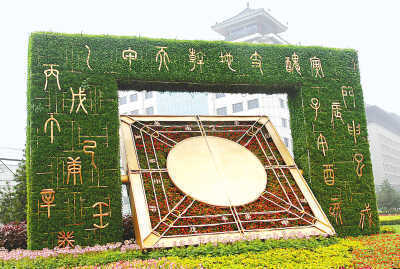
(122, 100)
(133, 97)
(282, 103)
(148, 95)
(150, 110)
(237, 107)
(286, 141)
(222, 111)
(219, 95)
(284, 122)
(135, 112)
(252, 104)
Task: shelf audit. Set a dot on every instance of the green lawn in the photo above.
(389, 217)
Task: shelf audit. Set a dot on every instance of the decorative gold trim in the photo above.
(125, 179)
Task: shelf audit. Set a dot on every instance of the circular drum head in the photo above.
(216, 171)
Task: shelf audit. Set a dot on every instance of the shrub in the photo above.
(387, 230)
(127, 224)
(13, 235)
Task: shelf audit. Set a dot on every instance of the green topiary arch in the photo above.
(74, 186)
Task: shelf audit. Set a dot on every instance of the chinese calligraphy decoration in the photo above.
(101, 214)
(336, 114)
(51, 72)
(228, 59)
(163, 57)
(321, 142)
(316, 67)
(91, 145)
(348, 91)
(65, 239)
(48, 199)
(82, 97)
(366, 212)
(358, 157)
(354, 130)
(315, 105)
(88, 57)
(256, 61)
(196, 59)
(293, 64)
(335, 209)
(51, 120)
(129, 55)
(329, 174)
(74, 169)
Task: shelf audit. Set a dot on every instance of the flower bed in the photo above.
(111, 253)
(282, 204)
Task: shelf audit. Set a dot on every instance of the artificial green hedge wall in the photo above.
(96, 64)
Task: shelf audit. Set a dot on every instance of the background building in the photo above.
(162, 103)
(9, 159)
(254, 26)
(384, 138)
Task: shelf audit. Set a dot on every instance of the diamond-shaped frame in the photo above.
(163, 214)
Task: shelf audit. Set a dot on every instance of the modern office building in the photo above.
(384, 139)
(162, 103)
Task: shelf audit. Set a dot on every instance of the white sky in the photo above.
(371, 27)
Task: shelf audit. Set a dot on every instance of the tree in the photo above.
(13, 198)
(388, 197)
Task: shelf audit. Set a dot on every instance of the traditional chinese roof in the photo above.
(266, 24)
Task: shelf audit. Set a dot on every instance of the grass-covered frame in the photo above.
(324, 104)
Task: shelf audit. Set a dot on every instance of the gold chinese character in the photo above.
(329, 174)
(51, 72)
(227, 58)
(363, 213)
(65, 239)
(82, 98)
(256, 61)
(52, 120)
(336, 114)
(348, 91)
(354, 130)
(359, 158)
(48, 199)
(293, 66)
(88, 57)
(129, 55)
(335, 210)
(316, 67)
(74, 168)
(92, 145)
(162, 55)
(288, 65)
(100, 215)
(196, 59)
(321, 141)
(315, 105)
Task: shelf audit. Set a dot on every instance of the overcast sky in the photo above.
(371, 27)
